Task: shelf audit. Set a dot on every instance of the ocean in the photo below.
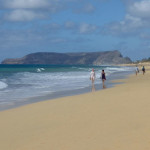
(23, 84)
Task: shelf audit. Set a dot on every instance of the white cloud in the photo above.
(136, 19)
(20, 4)
(27, 10)
(140, 9)
(129, 26)
(85, 28)
(47, 7)
(82, 28)
(22, 15)
(131, 22)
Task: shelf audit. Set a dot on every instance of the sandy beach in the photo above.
(116, 118)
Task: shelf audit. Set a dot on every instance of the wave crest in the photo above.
(3, 85)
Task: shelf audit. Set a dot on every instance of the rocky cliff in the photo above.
(89, 58)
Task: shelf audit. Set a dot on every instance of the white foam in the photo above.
(3, 85)
(42, 68)
(38, 70)
(30, 84)
(118, 69)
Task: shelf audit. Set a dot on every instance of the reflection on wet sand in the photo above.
(93, 87)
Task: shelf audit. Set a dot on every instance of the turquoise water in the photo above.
(47, 68)
(20, 82)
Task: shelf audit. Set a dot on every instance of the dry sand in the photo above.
(117, 118)
(140, 65)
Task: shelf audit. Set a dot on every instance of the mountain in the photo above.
(88, 58)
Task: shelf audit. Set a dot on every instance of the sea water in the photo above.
(19, 83)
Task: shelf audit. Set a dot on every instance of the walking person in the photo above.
(103, 77)
(92, 78)
(143, 69)
(136, 70)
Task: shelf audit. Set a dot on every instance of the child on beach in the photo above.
(103, 77)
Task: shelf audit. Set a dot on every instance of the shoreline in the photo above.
(114, 118)
(61, 94)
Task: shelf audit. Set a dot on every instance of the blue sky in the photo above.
(28, 26)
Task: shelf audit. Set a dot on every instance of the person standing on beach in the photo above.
(143, 69)
(92, 78)
(103, 77)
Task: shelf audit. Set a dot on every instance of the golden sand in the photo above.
(117, 118)
(140, 64)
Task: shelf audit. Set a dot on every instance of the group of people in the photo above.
(93, 76)
(103, 76)
(137, 70)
